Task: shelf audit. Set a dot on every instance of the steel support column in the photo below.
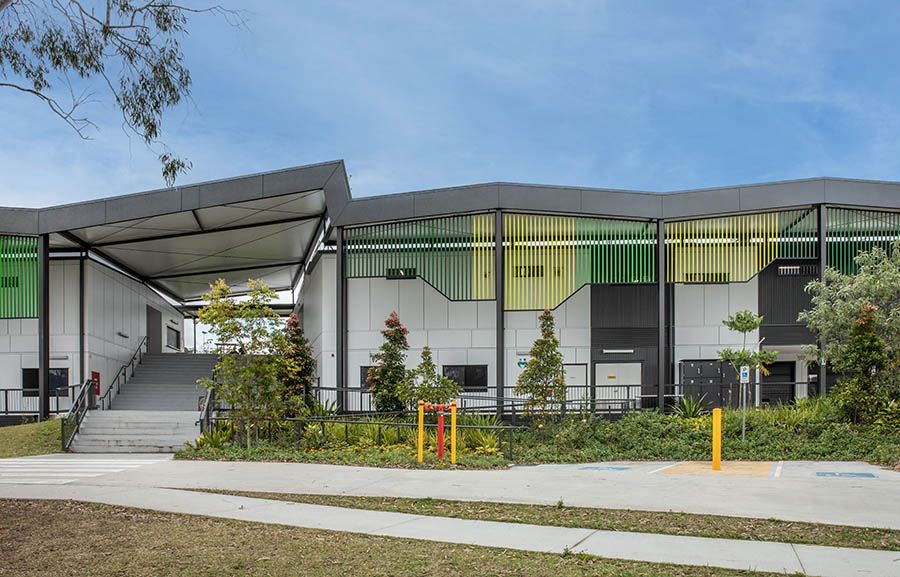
(82, 370)
(662, 366)
(823, 264)
(44, 326)
(340, 369)
(501, 305)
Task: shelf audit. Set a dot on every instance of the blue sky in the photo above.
(412, 95)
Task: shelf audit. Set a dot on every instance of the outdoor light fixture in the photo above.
(618, 351)
(121, 334)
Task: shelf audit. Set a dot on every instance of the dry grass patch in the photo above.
(38, 538)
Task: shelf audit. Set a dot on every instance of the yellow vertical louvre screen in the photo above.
(735, 248)
(454, 254)
(548, 258)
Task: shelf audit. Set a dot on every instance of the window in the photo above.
(59, 382)
(173, 339)
(364, 383)
(470, 378)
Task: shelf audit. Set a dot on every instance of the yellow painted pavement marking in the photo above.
(729, 468)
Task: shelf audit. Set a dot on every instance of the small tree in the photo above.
(746, 322)
(389, 373)
(543, 379)
(300, 370)
(859, 394)
(246, 377)
(424, 383)
(836, 307)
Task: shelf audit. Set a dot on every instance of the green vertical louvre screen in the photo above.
(18, 276)
(851, 231)
(548, 258)
(735, 248)
(454, 254)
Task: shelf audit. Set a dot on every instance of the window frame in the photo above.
(468, 372)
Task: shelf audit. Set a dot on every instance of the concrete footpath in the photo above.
(843, 493)
(734, 554)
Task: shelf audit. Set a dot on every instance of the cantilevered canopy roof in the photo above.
(179, 240)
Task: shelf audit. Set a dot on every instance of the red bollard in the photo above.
(440, 432)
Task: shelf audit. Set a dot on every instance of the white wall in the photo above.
(115, 303)
(699, 312)
(19, 337)
(320, 318)
(573, 328)
(458, 332)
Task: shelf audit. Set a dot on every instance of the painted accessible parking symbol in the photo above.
(854, 475)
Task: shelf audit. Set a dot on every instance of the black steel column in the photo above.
(501, 306)
(823, 263)
(340, 369)
(82, 372)
(662, 367)
(44, 326)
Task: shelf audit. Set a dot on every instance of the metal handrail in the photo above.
(106, 398)
(77, 411)
(206, 410)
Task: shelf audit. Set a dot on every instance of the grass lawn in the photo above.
(30, 439)
(668, 523)
(115, 541)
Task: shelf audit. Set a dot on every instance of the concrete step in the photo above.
(137, 431)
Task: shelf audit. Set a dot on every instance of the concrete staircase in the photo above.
(155, 412)
(166, 382)
(136, 431)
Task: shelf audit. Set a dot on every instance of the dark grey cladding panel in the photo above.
(617, 203)
(456, 200)
(72, 216)
(540, 198)
(700, 202)
(231, 190)
(877, 194)
(143, 205)
(190, 197)
(289, 181)
(781, 194)
(19, 220)
(378, 209)
(337, 192)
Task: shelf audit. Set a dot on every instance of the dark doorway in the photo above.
(154, 330)
(778, 385)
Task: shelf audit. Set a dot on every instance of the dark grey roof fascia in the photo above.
(621, 203)
(172, 200)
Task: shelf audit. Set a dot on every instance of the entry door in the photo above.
(154, 330)
(778, 385)
(618, 385)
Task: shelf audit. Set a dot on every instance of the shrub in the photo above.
(389, 373)
(423, 383)
(543, 379)
(691, 407)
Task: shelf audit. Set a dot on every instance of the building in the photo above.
(639, 281)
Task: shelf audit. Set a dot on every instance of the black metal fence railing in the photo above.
(70, 423)
(26, 402)
(603, 400)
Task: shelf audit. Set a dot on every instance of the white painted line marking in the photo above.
(778, 469)
(666, 467)
(36, 481)
(35, 474)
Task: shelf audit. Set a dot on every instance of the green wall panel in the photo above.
(18, 276)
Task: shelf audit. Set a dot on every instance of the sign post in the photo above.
(745, 380)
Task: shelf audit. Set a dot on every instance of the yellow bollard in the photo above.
(453, 433)
(421, 443)
(717, 440)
